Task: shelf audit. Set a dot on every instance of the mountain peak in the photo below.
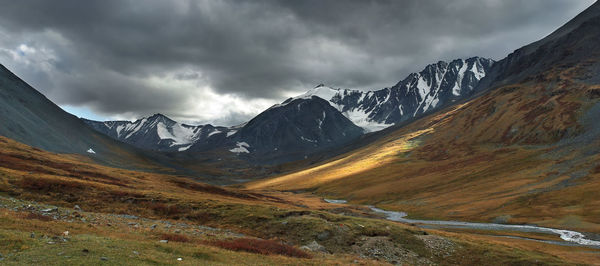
(160, 117)
(320, 91)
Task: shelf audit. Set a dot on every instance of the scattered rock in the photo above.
(136, 253)
(324, 235)
(438, 245)
(314, 247)
(103, 258)
(153, 226)
(127, 216)
(77, 208)
(179, 259)
(284, 222)
(66, 233)
(164, 241)
(50, 210)
(51, 242)
(32, 235)
(382, 248)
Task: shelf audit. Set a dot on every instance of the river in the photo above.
(569, 236)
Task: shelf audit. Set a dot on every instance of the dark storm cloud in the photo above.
(141, 57)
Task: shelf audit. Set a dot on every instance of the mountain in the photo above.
(288, 131)
(573, 43)
(30, 118)
(436, 86)
(321, 118)
(294, 129)
(524, 149)
(159, 132)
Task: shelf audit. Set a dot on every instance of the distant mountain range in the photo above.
(321, 118)
(159, 132)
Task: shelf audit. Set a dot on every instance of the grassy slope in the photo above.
(493, 156)
(33, 177)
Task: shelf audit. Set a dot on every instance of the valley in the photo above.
(472, 161)
(112, 213)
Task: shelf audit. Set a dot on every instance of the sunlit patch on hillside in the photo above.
(346, 166)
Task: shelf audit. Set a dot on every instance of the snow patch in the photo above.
(309, 140)
(119, 129)
(422, 87)
(179, 134)
(361, 119)
(241, 148)
(91, 151)
(475, 69)
(184, 148)
(323, 92)
(459, 77)
(214, 132)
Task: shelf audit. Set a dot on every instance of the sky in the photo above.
(223, 62)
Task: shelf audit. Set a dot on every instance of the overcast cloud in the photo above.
(225, 61)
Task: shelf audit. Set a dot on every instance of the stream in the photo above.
(572, 237)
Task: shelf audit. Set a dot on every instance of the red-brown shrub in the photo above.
(164, 209)
(42, 184)
(174, 237)
(260, 246)
(36, 216)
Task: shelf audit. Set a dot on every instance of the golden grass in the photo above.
(475, 161)
(31, 174)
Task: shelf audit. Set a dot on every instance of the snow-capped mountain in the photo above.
(322, 117)
(159, 132)
(435, 86)
(293, 129)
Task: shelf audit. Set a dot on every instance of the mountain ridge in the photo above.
(436, 85)
(158, 132)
